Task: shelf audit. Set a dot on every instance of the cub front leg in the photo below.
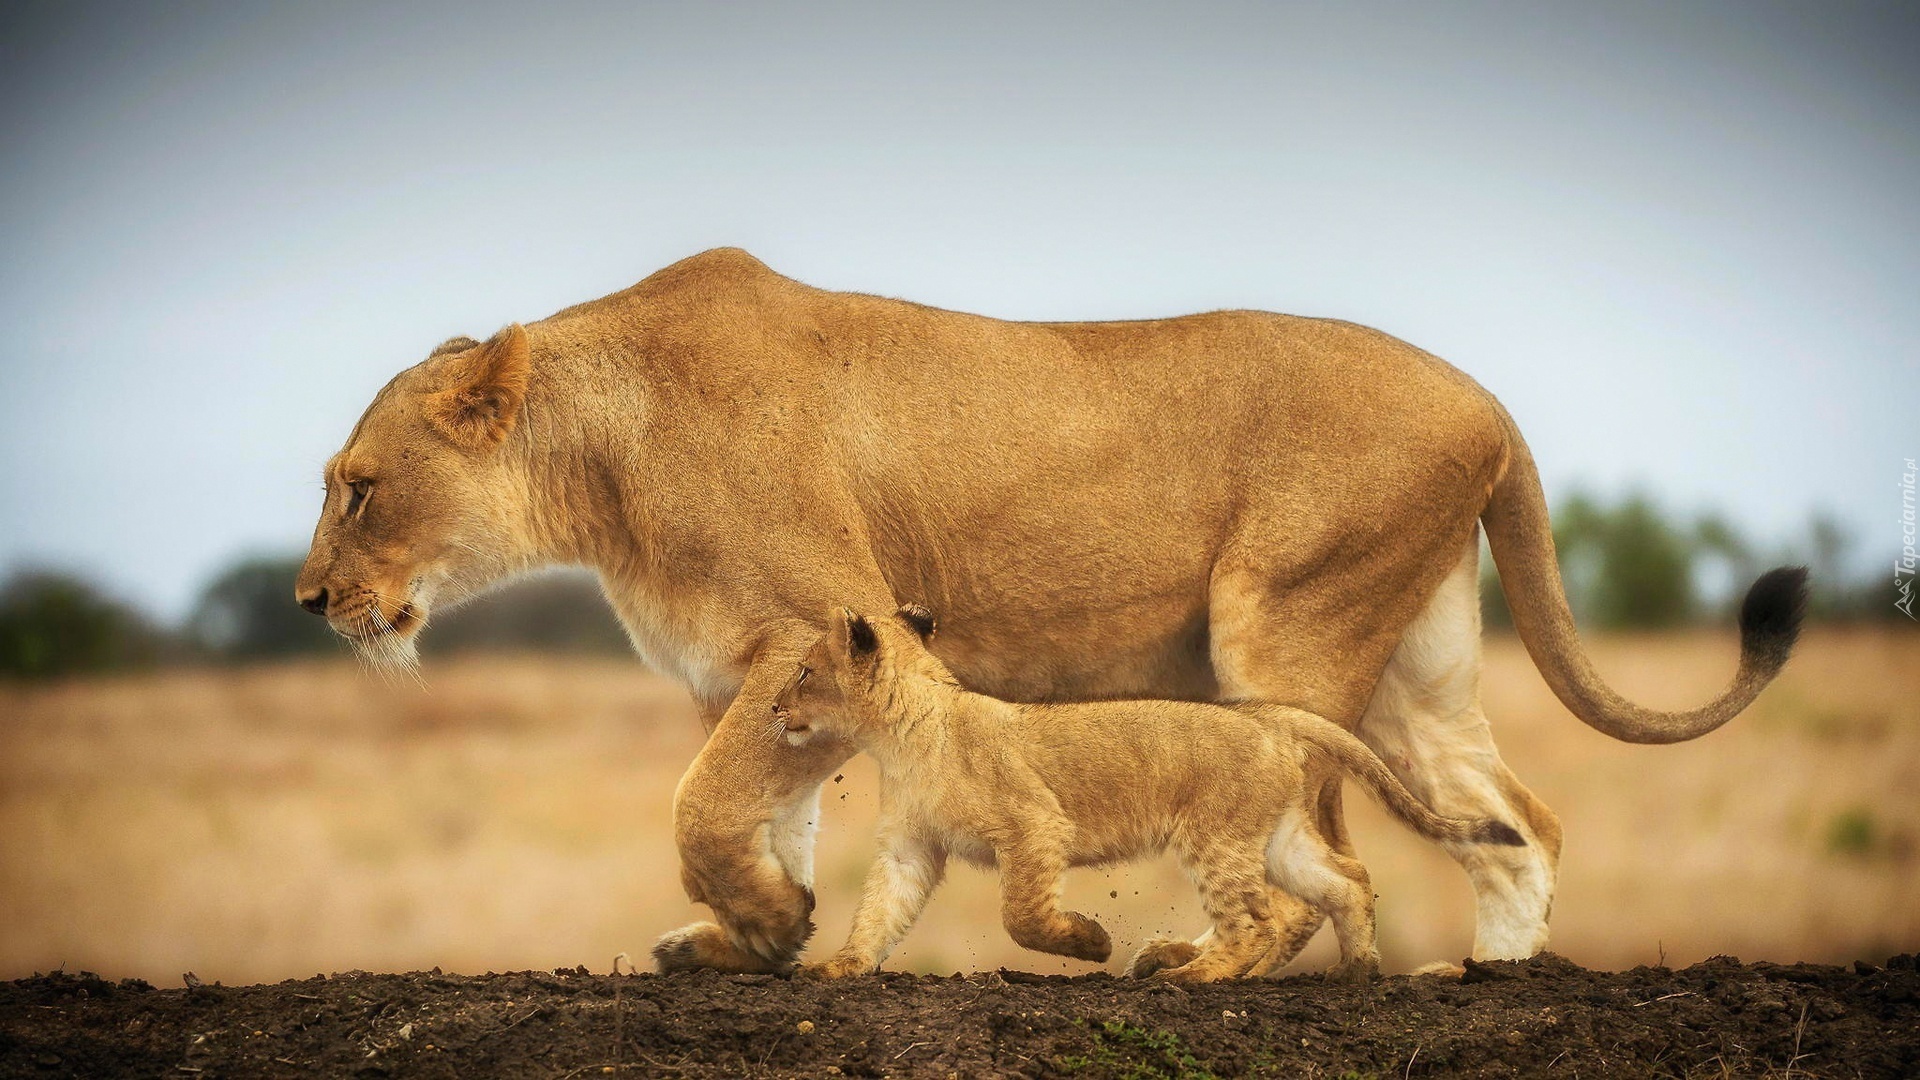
(904, 874)
(1030, 874)
(744, 817)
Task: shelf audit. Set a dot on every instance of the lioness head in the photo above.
(422, 503)
(843, 686)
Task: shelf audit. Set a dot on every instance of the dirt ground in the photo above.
(1540, 1017)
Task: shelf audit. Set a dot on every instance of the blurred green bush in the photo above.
(54, 624)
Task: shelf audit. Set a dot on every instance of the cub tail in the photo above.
(1361, 763)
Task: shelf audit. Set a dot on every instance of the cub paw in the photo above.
(1087, 940)
(1188, 975)
(1160, 954)
(836, 968)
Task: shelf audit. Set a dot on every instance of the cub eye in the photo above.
(357, 495)
(802, 680)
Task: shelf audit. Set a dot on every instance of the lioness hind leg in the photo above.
(1425, 722)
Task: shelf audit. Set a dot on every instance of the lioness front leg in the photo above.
(743, 819)
(1030, 875)
(904, 874)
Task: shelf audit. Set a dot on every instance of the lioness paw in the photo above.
(706, 945)
(687, 948)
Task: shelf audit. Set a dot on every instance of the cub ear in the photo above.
(861, 640)
(918, 617)
(483, 387)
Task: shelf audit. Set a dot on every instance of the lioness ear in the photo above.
(918, 617)
(483, 389)
(861, 640)
(453, 345)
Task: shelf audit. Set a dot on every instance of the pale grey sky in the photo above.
(1680, 241)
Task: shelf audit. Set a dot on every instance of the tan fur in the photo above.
(1236, 504)
(1037, 789)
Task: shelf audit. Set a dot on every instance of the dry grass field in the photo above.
(511, 813)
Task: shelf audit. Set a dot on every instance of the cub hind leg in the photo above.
(1233, 887)
(1302, 862)
(1330, 823)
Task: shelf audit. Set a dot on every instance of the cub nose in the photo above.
(315, 601)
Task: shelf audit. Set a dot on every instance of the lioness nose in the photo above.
(315, 601)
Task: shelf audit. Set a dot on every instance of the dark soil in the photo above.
(1537, 1017)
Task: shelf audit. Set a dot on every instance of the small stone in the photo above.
(804, 1027)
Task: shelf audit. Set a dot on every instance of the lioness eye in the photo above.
(802, 680)
(357, 495)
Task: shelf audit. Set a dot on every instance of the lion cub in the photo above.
(1036, 789)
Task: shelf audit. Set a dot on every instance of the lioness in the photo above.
(1230, 506)
(1036, 789)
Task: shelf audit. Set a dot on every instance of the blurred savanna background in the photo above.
(1679, 242)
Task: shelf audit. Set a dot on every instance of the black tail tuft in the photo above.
(1499, 832)
(1770, 617)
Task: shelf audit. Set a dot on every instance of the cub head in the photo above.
(848, 682)
(422, 504)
